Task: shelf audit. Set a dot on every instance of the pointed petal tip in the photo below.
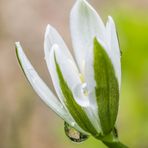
(47, 46)
(53, 37)
(110, 20)
(47, 31)
(82, 1)
(110, 17)
(52, 52)
(78, 4)
(54, 48)
(17, 44)
(17, 48)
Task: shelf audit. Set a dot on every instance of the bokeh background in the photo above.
(26, 122)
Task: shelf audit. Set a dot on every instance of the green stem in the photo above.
(111, 140)
(115, 144)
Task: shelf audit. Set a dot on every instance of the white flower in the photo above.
(88, 95)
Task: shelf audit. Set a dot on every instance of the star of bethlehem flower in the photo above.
(87, 89)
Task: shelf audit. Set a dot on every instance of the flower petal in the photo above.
(53, 37)
(50, 61)
(105, 88)
(71, 76)
(85, 24)
(114, 48)
(91, 84)
(73, 81)
(111, 48)
(89, 74)
(52, 70)
(74, 108)
(41, 88)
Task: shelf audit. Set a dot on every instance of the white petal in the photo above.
(85, 24)
(112, 49)
(89, 74)
(91, 84)
(72, 78)
(70, 74)
(112, 40)
(52, 70)
(53, 37)
(41, 88)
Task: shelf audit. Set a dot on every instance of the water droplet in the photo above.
(73, 123)
(73, 134)
(81, 94)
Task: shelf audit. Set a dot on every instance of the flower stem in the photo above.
(111, 140)
(115, 144)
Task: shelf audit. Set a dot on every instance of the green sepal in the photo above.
(107, 89)
(75, 109)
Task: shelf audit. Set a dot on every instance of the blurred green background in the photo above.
(26, 122)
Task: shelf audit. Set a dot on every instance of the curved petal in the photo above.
(74, 106)
(85, 24)
(91, 83)
(113, 43)
(69, 71)
(53, 37)
(102, 85)
(89, 73)
(41, 88)
(49, 58)
(75, 85)
(111, 47)
(50, 61)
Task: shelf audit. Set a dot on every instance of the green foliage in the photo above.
(107, 90)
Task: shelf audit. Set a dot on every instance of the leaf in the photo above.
(107, 90)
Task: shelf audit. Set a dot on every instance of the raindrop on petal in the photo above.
(73, 124)
(73, 134)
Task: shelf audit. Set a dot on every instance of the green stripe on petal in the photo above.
(107, 90)
(76, 111)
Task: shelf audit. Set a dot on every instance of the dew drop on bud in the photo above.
(73, 134)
